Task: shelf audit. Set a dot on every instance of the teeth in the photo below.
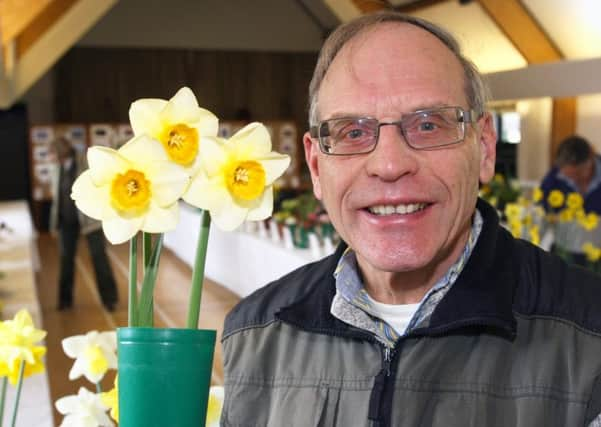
(398, 209)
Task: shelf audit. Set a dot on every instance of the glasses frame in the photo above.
(321, 130)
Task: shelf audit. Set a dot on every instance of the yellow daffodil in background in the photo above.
(534, 234)
(537, 195)
(513, 211)
(590, 221)
(216, 396)
(94, 354)
(131, 189)
(236, 180)
(555, 199)
(567, 215)
(593, 253)
(179, 124)
(111, 399)
(18, 342)
(499, 178)
(574, 201)
(83, 409)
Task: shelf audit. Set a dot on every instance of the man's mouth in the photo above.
(402, 209)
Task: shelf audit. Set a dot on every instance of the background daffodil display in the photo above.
(21, 355)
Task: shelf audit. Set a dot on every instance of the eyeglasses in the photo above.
(422, 130)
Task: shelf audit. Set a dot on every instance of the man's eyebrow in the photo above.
(435, 106)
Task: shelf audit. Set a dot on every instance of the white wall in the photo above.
(589, 119)
(533, 152)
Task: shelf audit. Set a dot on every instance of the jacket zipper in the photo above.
(380, 381)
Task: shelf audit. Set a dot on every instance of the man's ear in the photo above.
(311, 156)
(487, 138)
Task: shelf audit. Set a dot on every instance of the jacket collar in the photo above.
(482, 296)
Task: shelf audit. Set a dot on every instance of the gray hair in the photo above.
(475, 90)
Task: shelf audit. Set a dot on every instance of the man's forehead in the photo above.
(396, 60)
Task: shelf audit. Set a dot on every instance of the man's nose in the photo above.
(392, 157)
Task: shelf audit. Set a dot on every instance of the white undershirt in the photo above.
(396, 315)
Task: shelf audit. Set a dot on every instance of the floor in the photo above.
(171, 295)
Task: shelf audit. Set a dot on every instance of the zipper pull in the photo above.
(387, 360)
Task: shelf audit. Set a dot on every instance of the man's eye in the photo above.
(427, 127)
(354, 134)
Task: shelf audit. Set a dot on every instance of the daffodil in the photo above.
(574, 201)
(11, 371)
(593, 253)
(179, 124)
(18, 339)
(555, 199)
(83, 409)
(111, 399)
(537, 195)
(566, 215)
(216, 396)
(94, 354)
(235, 182)
(513, 211)
(534, 234)
(590, 221)
(131, 189)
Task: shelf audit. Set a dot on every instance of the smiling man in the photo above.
(429, 313)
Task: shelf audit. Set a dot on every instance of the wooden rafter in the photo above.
(16, 15)
(534, 44)
(369, 6)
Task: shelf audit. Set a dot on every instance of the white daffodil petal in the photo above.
(160, 220)
(263, 208)
(169, 182)
(120, 230)
(74, 346)
(88, 197)
(182, 108)
(143, 150)
(252, 140)
(208, 123)
(77, 370)
(104, 164)
(213, 155)
(230, 218)
(275, 165)
(66, 404)
(144, 116)
(207, 193)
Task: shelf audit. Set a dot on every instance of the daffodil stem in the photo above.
(3, 398)
(199, 270)
(146, 252)
(18, 393)
(132, 308)
(98, 387)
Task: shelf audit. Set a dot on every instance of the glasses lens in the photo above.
(349, 136)
(434, 128)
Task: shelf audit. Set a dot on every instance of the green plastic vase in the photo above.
(164, 376)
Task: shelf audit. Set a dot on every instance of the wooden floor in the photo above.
(171, 296)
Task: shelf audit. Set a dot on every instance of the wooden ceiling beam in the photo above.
(534, 44)
(526, 34)
(16, 15)
(370, 6)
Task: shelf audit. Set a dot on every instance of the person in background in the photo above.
(69, 222)
(577, 169)
(429, 313)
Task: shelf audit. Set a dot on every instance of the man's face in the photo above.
(384, 73)
(581, 174)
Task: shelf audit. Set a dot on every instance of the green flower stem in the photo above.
(3, 398)
(146, 251)
(132, 307)
(145, 306)
(18, 393)
(98, 388)
(199, 270)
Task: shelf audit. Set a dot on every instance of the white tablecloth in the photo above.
(18, 257)
(240, 261)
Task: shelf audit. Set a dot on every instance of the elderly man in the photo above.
(430, 313)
